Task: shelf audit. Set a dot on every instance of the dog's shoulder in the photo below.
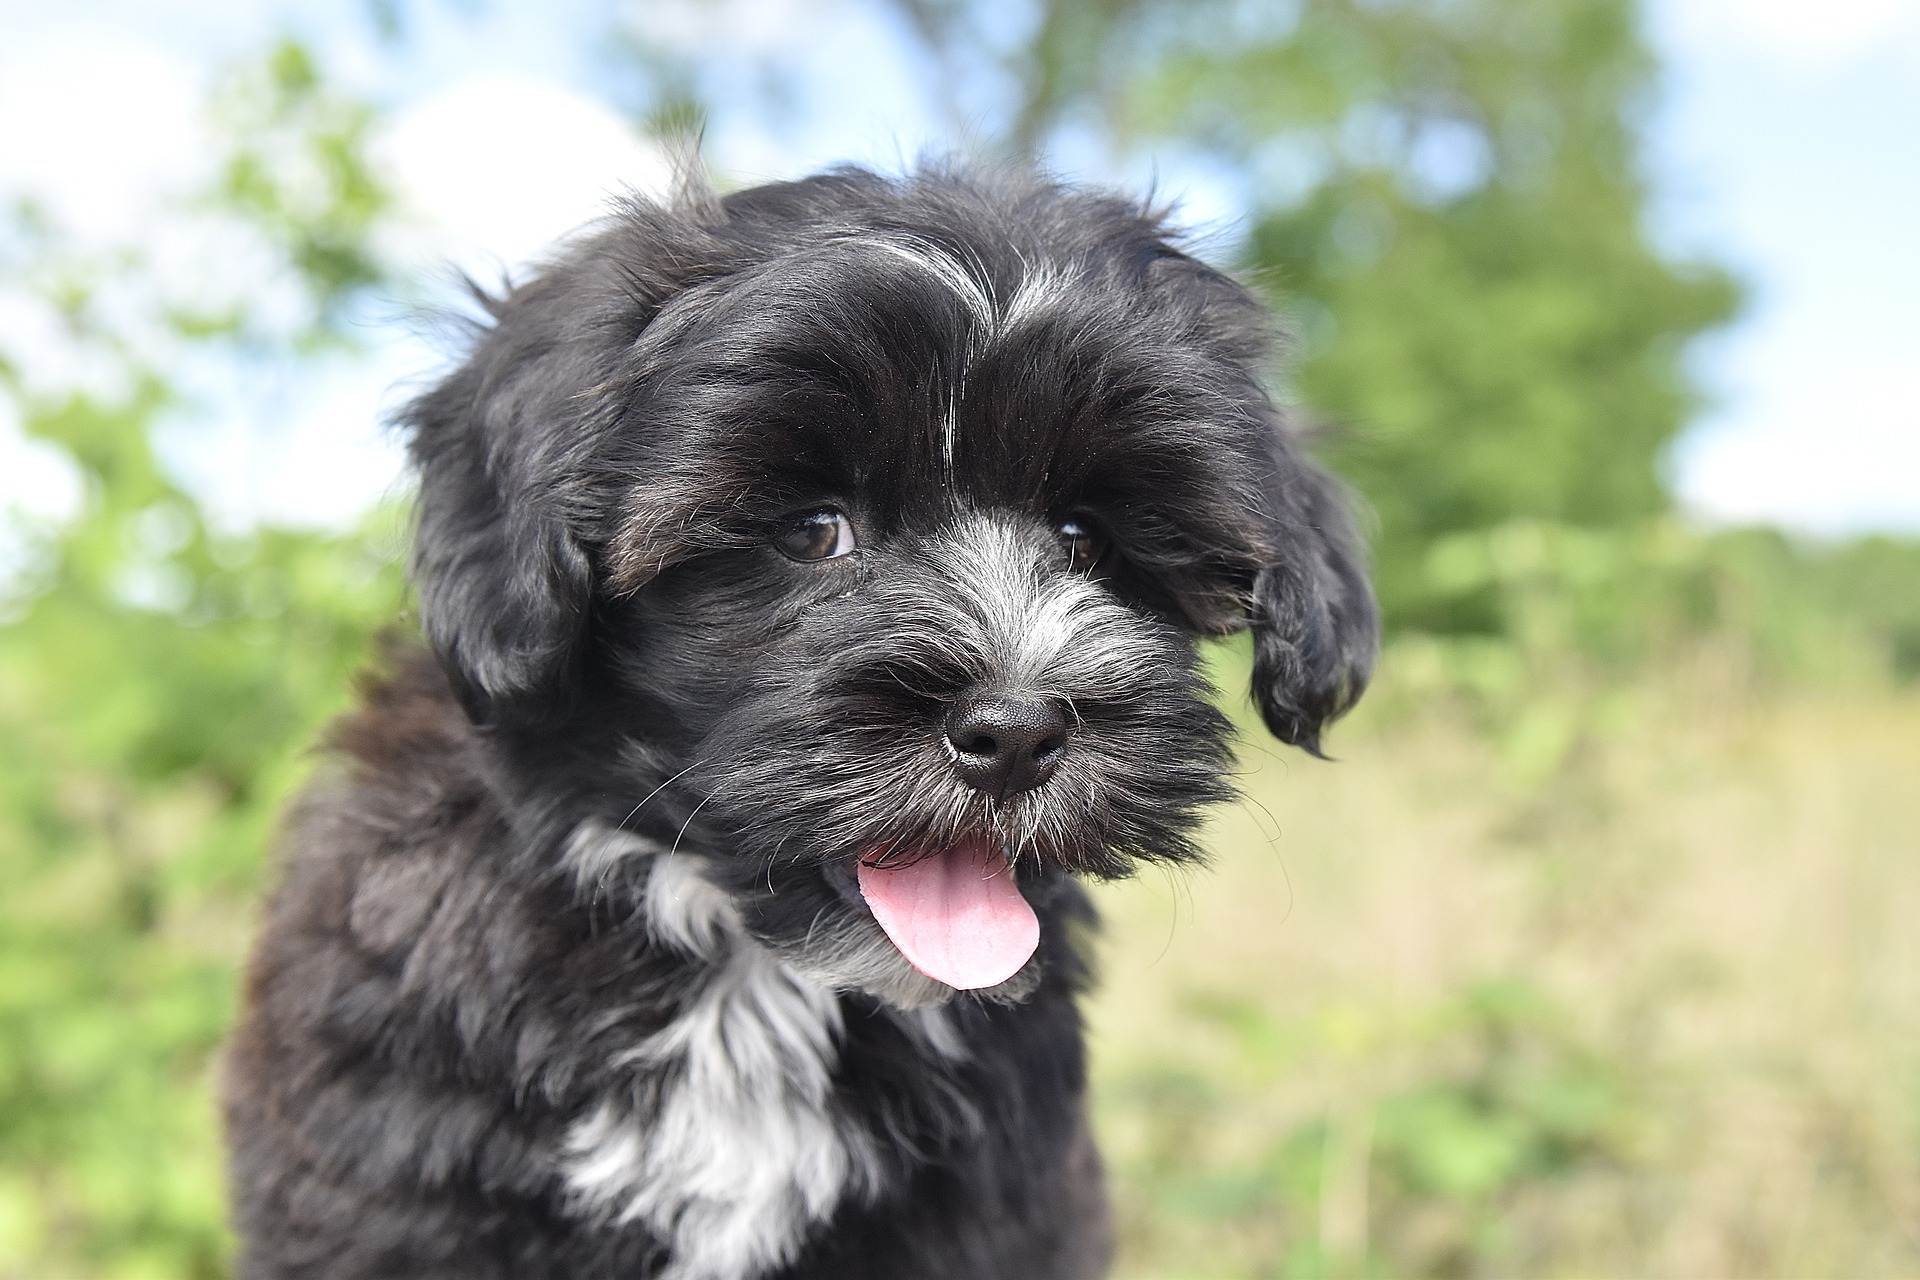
(394, 816)
(420, 1019)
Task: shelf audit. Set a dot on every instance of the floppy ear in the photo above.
(504, 583)
(1316, 629)
(510, 496)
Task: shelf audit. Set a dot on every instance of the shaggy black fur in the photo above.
(592, 860)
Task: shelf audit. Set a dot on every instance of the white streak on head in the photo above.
(973, 294)
(1040, 288)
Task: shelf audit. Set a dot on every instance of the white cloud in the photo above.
(96, 128)
(743, 27)
(303, 446)
(494, 171)
(1846, 463)
(1814, 36)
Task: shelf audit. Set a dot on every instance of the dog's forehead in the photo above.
(919, 374)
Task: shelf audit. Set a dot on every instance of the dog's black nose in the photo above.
(1006, 743)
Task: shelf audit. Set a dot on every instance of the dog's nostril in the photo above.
(1005, 743)
(978, 745)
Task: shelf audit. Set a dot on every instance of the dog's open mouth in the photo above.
(956, 914)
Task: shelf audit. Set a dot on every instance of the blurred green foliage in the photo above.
(1448, 206)
(159, 682)
(1504, 1094)
(297, 170)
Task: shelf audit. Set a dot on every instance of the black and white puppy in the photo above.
(812, 578)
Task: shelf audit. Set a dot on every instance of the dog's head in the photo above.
(858, 532)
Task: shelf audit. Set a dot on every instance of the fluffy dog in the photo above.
(812, 579)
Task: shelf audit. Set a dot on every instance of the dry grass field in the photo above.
(1636, 995)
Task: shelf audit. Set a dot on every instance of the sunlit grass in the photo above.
(1650, 1008)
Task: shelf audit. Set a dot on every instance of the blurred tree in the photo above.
(1450, 204)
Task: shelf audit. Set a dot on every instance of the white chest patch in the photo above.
(727, 1146)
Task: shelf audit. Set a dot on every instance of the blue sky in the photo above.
(1786, 144)
(1789, 146)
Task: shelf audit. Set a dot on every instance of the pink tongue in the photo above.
(956, 915)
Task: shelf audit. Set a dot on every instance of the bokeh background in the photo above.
(1593, 954)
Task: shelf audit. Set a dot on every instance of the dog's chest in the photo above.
(726, 1144)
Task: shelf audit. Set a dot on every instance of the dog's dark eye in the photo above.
(816, 535)
(1085, 546)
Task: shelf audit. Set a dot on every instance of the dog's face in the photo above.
(860, 532)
